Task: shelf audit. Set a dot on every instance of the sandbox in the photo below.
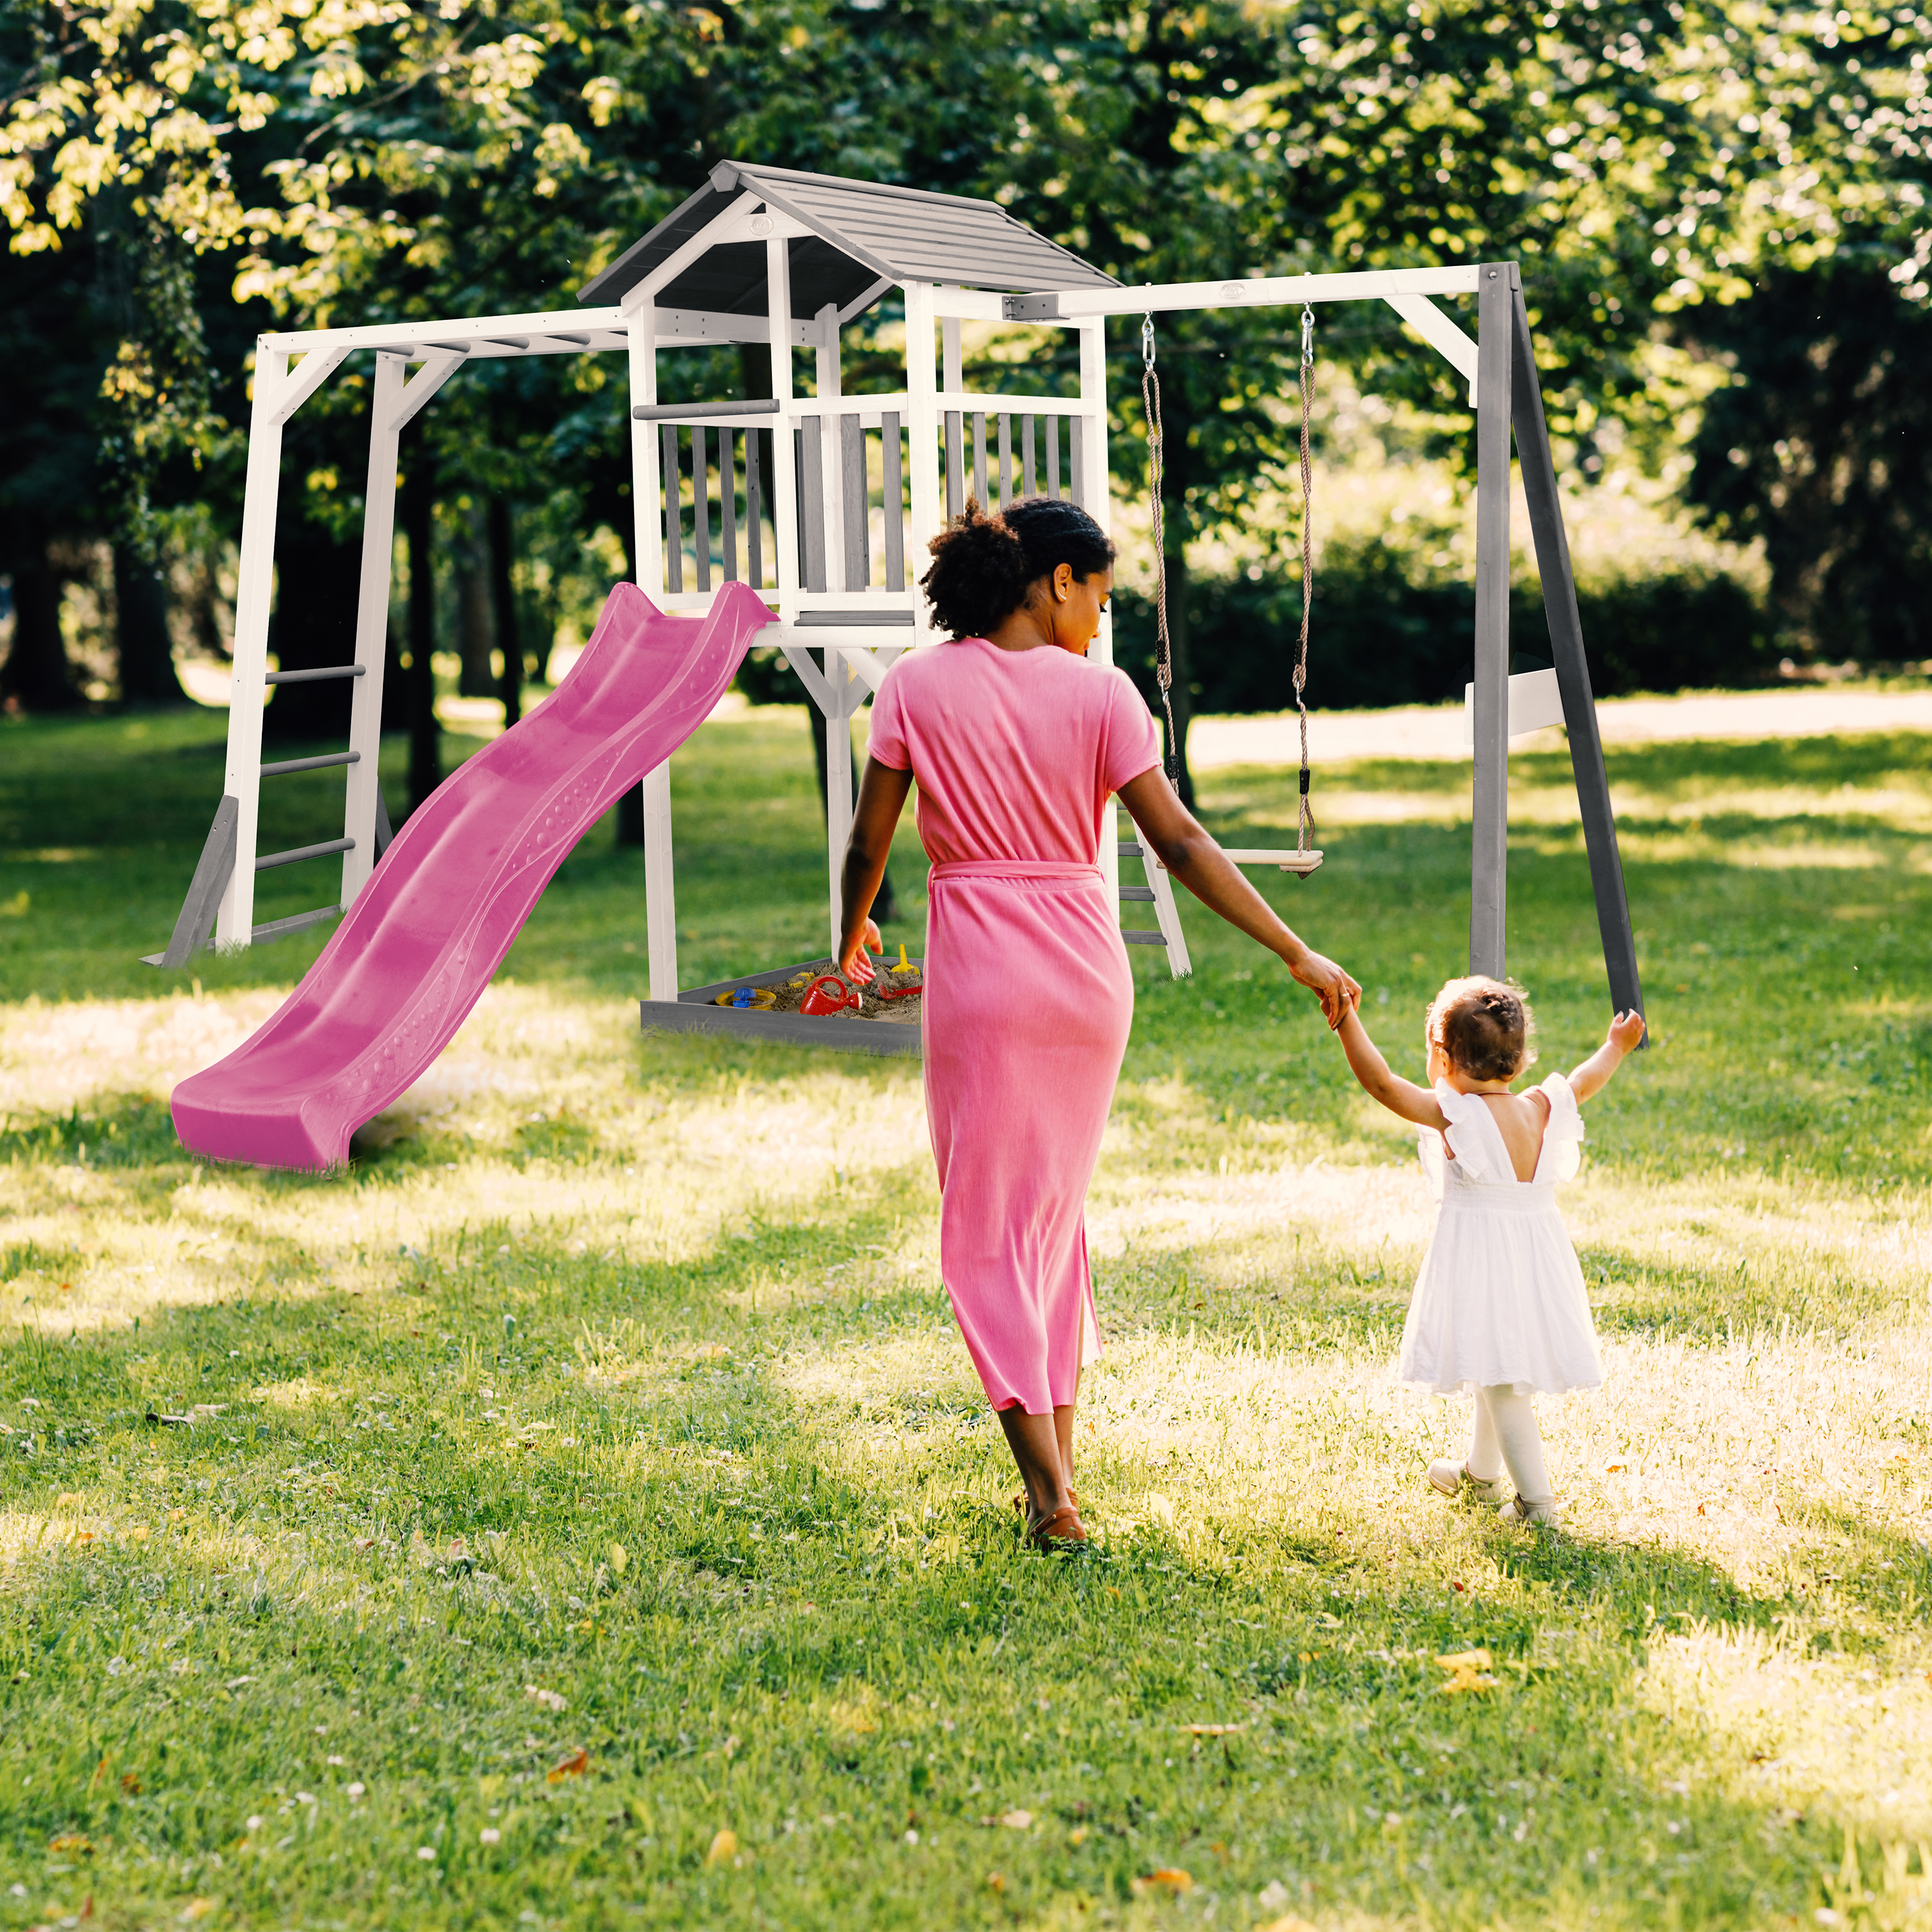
(881, 1027)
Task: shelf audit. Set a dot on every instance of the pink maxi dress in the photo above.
(1029, 996)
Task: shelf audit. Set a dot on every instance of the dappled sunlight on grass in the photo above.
(594, 1467)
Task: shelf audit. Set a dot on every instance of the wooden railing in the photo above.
(850, 462)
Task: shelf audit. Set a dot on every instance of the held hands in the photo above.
(856, 967)
(1337, 991)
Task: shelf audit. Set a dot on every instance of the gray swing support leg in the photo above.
(212, 875)
(1488, 856)
(1509, 406)
(1573, 674)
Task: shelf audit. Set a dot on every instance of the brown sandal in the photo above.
(1063, 1528)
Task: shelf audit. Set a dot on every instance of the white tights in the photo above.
(1506, 1436)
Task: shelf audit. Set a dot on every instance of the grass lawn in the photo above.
(584, 1514)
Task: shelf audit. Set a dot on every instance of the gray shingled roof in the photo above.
(863, 232)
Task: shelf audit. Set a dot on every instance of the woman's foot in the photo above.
(1062, 1529)
(1020, 1499)
(1454, 1479)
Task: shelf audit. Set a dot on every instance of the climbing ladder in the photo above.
(1158, 893)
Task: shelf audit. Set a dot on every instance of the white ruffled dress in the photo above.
(1500, 1297)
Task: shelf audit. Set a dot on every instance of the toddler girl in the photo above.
(1499, 1307)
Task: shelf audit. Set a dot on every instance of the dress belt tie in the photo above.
(1015, 868)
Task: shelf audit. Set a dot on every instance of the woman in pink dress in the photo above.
(1017, 742)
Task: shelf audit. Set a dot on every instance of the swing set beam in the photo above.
(1500, 365)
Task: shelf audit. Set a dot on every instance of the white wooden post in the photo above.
(831, 448)
(847, 693)
(646, 490)
(647, 464)
(783, 480)
(922, 444)
(954, 379)
(372, 626)
(254, 592)
(1097, 496)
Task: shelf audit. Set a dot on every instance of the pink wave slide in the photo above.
(414, 953)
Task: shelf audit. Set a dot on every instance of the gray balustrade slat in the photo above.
(858, 532)
(1006, 458)
(1053, 456)
(1026, 450)
(895, 503)
(811, 500)
(955, 463)
(979, 458)
(700, 504)
(754, 508)
(673, 513)
(1076, 443)
(727, 498)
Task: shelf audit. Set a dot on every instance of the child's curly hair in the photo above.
(984, 567)
(1484, 1027)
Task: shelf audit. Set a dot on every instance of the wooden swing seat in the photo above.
(1301, 862)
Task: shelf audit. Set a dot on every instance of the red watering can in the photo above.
(828, 995)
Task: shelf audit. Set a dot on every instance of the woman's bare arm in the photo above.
(1185, 848)
(882, 797)
(1402, 1097)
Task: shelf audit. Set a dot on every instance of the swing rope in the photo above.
(1163, 649)
(1305, 822)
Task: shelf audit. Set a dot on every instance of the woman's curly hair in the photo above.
(984, 567)
(1484, 1027)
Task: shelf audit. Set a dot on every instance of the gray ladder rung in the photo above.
(853, 620)
(280, 929)
(297, 853)
(316, 676)
(312, 764)
(1135, 938)
(1128, 849)
(1145, 892)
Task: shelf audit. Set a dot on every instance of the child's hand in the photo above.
(856, 967)
(1627, 1030)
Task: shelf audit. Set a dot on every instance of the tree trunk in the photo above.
(503, 594)
(313, 626)
(425, 745)
(476, 630)
(141, 625)
(37, 675)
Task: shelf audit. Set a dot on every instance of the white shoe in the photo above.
(1452, 1479)
(1516, 1510)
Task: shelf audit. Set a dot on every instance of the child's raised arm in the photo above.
(1402, 1097)
(1594, 1076)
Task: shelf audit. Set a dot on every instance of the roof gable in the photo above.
(862, 232)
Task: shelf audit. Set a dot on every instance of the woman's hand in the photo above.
(856, 967)
(1337, 991)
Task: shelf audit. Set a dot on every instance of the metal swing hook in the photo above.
(1146, 341)
(1307, 336)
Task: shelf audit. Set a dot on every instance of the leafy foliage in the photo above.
(1821, 446)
